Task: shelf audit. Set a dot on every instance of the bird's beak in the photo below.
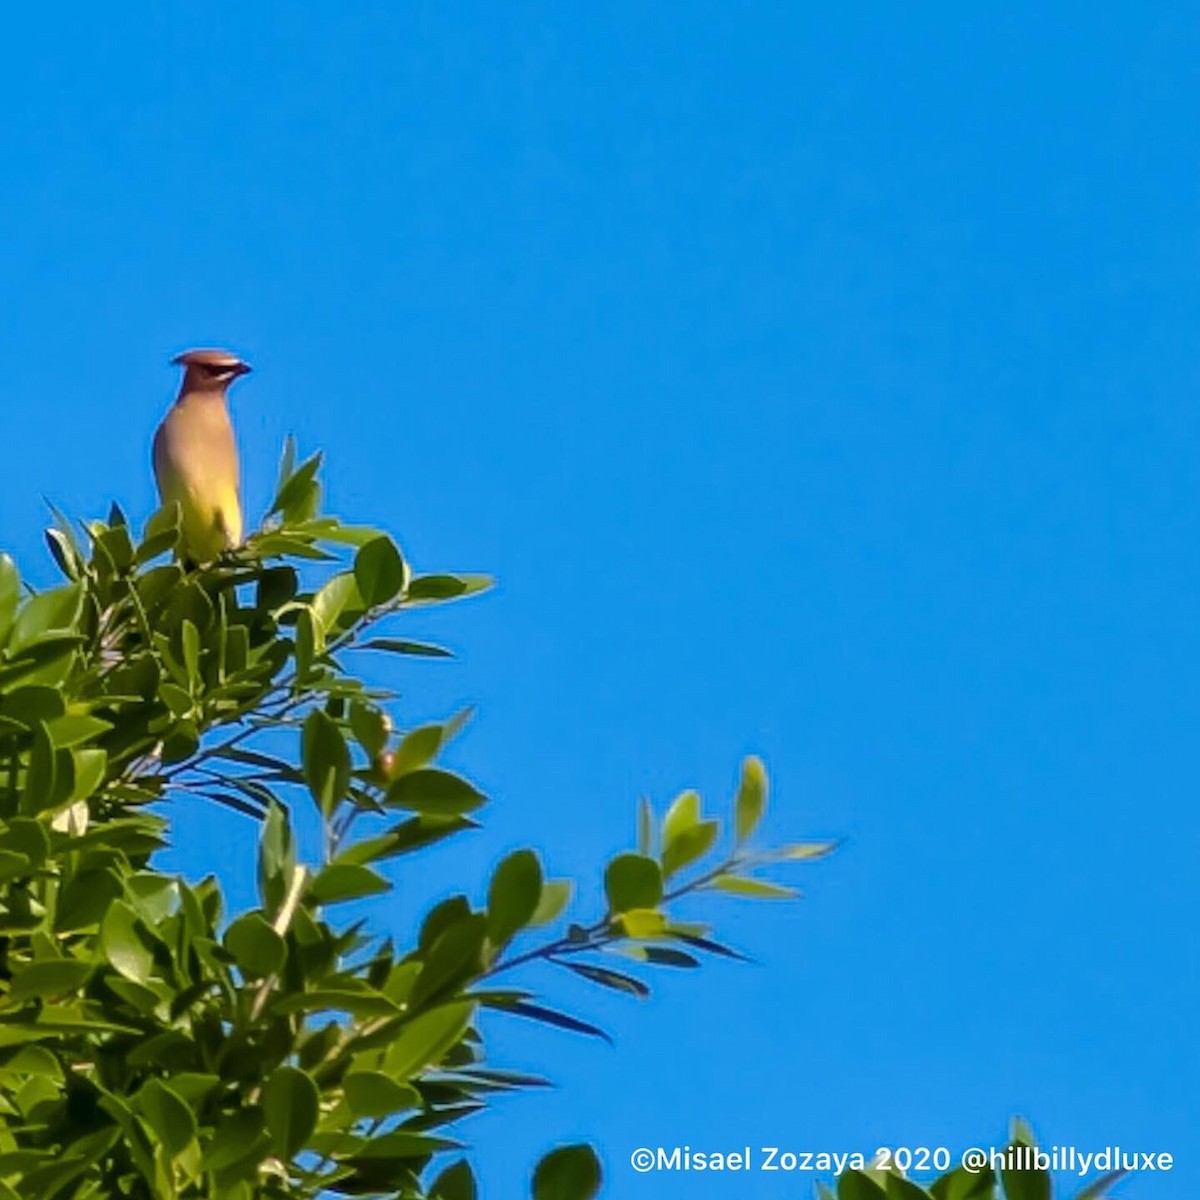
(242, 369)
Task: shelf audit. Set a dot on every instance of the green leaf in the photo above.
(26, 839)
(339, 598)
(432, 588)
(169, 1116)
(290, 500)
(645, 833)
(49, 977)
(665, 956)
(41, 788)
(358, 1002)
(374, 1094)
(433, 792)
(751, 800)
(556, 894)
(326, 759)
(123, 944)
(190, 637)
(401, 646)
(276, 586)
(549, 1016)
(56, 610)
(426, 1038)
(239, 1139)
(687, 846)
(90, 766)
(632, 881)
(453, 956)
(76, 728)
(276, 857)
(606, 977)
(739, 885)
(961, 1184)
(513, 895)
(898, 1188)
(1022, 1184)
(10, 595)
(402, 1143)
(420, 746)
(291, 1103)
(456, 1182)
(568, 1173)
(856, 1185)
(254, 944)
(369, 726)
(681, 816)
(346, 881)
(287, 462)
(417, 748)
(379, 571)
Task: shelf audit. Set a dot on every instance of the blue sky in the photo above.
(818, 383)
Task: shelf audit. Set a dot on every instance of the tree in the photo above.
(151, 1048)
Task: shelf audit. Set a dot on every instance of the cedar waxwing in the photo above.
(195, 455)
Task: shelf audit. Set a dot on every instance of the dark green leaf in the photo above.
(568, 1173)
(855, 1185)
(346, 881)
(456, 1182)
(291, 1103)
(168, 1115)
(370, 727)
(254, 944)
(903, 1189)
(239, 1139)
(453, 956)
(431, 588)
(401, 646)
(374, 1094)
(49, 977)
(433, 792)
(513, 895)
(550, 1016)
(664, 956)
(633, 881)
(606, 977)
(326, 759)
(379, 570)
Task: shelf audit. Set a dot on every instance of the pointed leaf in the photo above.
(739, 885)
(751, 800)
(326, 759)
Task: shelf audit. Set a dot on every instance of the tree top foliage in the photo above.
(151, 1045)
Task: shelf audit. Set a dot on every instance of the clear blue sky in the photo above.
(818, 383)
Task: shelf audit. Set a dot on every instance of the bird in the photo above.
(196, 459)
